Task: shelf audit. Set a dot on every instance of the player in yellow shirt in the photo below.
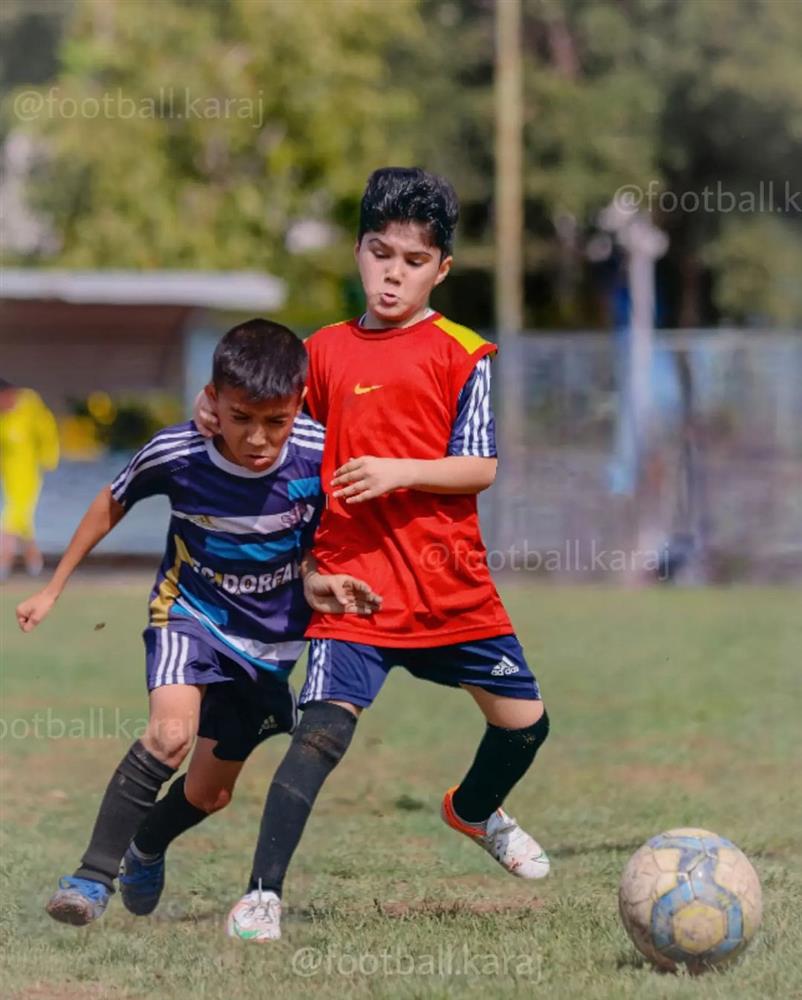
(28, 446)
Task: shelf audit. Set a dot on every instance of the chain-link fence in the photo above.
(715, 493)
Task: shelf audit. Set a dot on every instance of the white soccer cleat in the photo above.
(256, 917)
(503, 839)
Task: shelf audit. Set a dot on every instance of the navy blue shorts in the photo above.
(237, 711)
(354, 672)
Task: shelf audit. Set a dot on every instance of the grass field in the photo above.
(668, 708)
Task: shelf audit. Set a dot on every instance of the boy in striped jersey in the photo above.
(228, 610)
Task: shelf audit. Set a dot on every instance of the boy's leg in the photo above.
(8, 550)
(128, 798)
(236, 716)
(342, 678)
(318, 744)
(206, 788)
(138, 779)
(495, 673)
(515, 731)
(34, 560)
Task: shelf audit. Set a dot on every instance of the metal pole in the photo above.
(509, 169)
(508, 498)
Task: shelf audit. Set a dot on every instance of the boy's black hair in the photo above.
(409, 194)
(264, 359)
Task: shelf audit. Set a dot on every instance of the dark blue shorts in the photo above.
(355, 672)
(238, 711)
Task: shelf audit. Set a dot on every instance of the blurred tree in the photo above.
(757, 262)
(688, 102)
(205, 136)
(677, 99)
(731, 78)
(30, 34)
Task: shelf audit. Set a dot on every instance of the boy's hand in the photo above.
(34, 610)
(338, 593)
(369, 477)
(205, 415)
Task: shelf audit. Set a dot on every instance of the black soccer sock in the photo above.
(503, 758)
(129, 797)
(168, 819)
(319, 742)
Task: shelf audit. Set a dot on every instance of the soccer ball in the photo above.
(689, 897)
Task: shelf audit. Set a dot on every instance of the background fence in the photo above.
(717, 496)
(718, 491)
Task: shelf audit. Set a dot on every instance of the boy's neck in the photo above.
(369, 321)
(219, 443)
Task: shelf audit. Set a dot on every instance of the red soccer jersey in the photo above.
(393, 394)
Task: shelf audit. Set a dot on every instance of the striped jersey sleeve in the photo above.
(148, 472)
(308, 433)
(474, 429)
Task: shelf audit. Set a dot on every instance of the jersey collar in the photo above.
(238, 470)
(391, 331)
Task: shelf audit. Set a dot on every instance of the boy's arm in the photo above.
(469, 466)
(369, 477)
(336, 593)
(103, 514)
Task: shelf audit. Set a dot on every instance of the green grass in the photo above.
(668, 708)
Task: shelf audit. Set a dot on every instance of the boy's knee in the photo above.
(325, 730)
(534, 715)
(318, 745)
(515, 713)
(208, 800)
(531, 737)
(525, 740)
(168, 742)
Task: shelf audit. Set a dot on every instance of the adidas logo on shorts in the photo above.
(504, 667)
(268, 725)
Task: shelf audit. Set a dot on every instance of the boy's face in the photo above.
(399, 268)
(253, 432)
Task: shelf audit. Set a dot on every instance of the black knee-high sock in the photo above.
(318, 744)
(129, 797)
(168, 819)
(503, 758)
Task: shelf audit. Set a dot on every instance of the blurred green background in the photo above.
(673, 97)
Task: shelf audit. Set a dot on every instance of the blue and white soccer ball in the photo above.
(689, 897)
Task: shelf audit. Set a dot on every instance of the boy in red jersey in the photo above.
(405, 397)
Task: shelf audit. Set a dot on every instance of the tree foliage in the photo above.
(675, 98)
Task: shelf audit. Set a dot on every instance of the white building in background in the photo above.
(70, 333)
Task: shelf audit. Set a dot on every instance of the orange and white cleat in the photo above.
(503, 839)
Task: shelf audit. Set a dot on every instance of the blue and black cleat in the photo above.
(141, 881)
(78, 901)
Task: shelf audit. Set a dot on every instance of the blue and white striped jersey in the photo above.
(474, 430)
(231, 569)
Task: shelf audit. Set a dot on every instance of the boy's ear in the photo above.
(210, 391)
(442, 271)
(356, 249)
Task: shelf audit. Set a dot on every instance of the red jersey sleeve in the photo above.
(316, 401)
